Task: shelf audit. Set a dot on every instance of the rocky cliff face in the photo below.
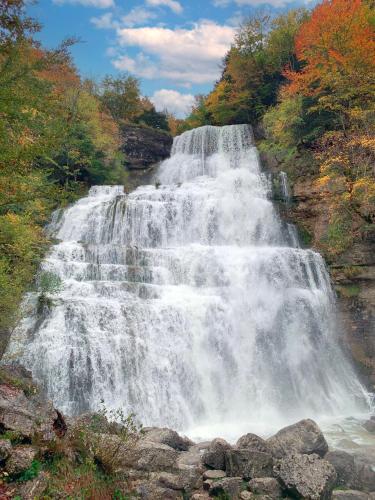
(144, 147)
(352, 272)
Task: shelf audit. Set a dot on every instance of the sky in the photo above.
(175, 47)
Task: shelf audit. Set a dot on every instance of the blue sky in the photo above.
(174, 46)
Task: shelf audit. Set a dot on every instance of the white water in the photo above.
(188, 304)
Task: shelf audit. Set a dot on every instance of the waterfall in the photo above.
(186, 303)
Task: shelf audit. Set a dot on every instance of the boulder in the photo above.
(214, 456)
(200, 496)
(23, 408)
(349, 495)
(266, 486)
(214, 474)
(351, 473)
(253, 442)
(181, 480)
(149, 490)
(117, 455)
(370, 425)
(248, 464)
(229, 485)
(344, 466)
(168, 437)
(194, 456)
(306, 476)
(304, 437)
(246, 495)
(20, 459)
(5, 449)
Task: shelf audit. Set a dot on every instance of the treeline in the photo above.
(59, 134)
(308, 77)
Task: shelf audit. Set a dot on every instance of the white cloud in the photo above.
(173, 101)
(137, 16)
(105, 21)
(181, 55)
(100, 4)
(254, 3)
(172, 4)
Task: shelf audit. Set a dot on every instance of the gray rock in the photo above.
(306, 476)
(253, 442)
(24, 409)
(303, 437)
(200, 496)
(349, 495)
(34, 489)
(214, 456)
(115, 455)
(152, 491)
(246, 495)
(344, 466)
(369, 425)
(168, 437)
(351, 472)
(144, 146)
(248, 464)
(5, 449)
(214, 474)
(229, 485)
(20, 459)
(266, 486)
(194, 456)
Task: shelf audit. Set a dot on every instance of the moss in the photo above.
(348, 291)
(27, 386)
(305, 236)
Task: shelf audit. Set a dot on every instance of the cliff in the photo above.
(352, 271)
(143, 146)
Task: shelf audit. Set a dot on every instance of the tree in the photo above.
(121, 97)
(337, 48)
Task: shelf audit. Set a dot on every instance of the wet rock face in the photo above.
(144, 147)
(306, 476)
(24, 409)
(303, 437)
(214, 456)
(248, 464)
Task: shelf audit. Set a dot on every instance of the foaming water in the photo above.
(190, 302)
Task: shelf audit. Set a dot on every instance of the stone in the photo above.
(144, 146)
(351, 472)
(229, 485)
(214, 456)
(266, 486)
(306, 476)
(304, 437)
(248, 463)
(200, 496)
(246, 495)
(252, 442)
(194, 456)
(34, 489)
(5, 449)
(115, 455)
(168, 437)
(214, 474)
(152, 491)
(369, 425)
(23, 408)
(349, 495)
(344, 466)
(20, 459)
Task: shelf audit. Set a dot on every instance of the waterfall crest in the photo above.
(189, 303)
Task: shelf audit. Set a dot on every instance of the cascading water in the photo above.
(187, 303)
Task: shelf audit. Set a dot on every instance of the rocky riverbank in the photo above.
(45, 455)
